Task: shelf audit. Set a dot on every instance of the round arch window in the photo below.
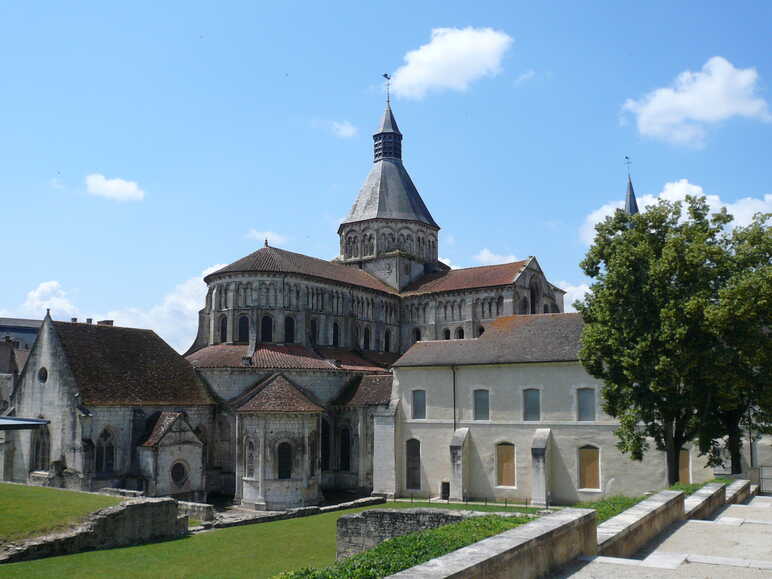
(179, 473)
(43, 375)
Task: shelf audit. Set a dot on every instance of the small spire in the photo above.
(631, 205)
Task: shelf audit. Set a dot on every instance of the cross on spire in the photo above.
(628, 162)
(387, 76)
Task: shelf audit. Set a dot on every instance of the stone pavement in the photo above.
(737, 544)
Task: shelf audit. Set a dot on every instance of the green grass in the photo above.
(406, 551)
(489, 508)
(27, 511)
(691, 488)
(260, 550)
(610, 506)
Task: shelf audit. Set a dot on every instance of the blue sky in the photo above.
(141, 143)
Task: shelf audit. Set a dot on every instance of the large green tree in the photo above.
(647, 335)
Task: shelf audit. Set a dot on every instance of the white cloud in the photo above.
(340, 129)
(681, 113)
(272, 237)
(525, 77)
(47, 295)
(448, 262)
(742, 209)
(487, 257)
(115, 189)
(452, 60)
(573, 293)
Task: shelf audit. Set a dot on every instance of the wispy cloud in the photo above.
(272, 237)
(452, 60)
(115, 189)
(525, 76)
(487, 257)
(340, 129)
(682, 112)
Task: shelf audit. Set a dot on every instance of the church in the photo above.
(277, 400)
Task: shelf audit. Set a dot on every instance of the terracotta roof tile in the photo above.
(276, 394)
(467, 278)
(274, 260)
(267, 356)
(128, 366)
(349, 360)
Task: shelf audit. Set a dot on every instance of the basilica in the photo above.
(276, 401)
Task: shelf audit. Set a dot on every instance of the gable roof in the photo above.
(467, 278)
(275, 260)
(161, 427)
(275, 394)
(369, 390)
(508, 340)
(116, 366)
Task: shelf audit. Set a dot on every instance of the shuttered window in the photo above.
(589, 467)
(683, 467)
(505, 464)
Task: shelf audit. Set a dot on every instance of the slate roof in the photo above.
(389, 193)
(275, 260)
(276, 394)
(388, 122)
(631, 205)
(467, 278)
(161, 427)
(368, 390)
(508, 340)
(116, 366)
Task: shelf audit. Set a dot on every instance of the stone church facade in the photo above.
(289, 369)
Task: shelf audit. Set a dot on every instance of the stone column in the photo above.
(384, 455)
(458, 464)
(540, 467)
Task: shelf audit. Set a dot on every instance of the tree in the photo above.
(646, 333)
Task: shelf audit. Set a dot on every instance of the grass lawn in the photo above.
(489, 508)
(260, 550)
(30, 511)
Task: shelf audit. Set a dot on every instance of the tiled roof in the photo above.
(467, 278)
(348, 360)
(508, 340)
(276, 394)
(286, 357)
(8, 360)
(274, 260)
(161, 427)
(369, 390)
(127, 366)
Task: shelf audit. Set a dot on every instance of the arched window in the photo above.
(345, 450)
(224, 329)
(546, 308)
(313, 332)
(585, 404)
(446, 334)
(524, 307)
(505, 464)
(266, 329)
(366, 340)
(289, 330)
(531, 404)
(313, 446)
(480, 331)
(243, 329)
(589, 467)
(41, 449)
(105, 452)
(325, 444)
(413, 464)
(459, 333)
(534, 298)
(284, 460)
(200, 432)
(419, 404)
(249, 459)
(387, 341)
(335, 335)
(481, 405)
(417, 335)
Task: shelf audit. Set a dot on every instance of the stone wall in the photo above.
(200, 511)
(532, 550)
(705, 501)
(130, 523)
(625, 534)
(738, 492)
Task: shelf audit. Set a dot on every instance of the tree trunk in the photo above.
(734, 440)
(671, 452)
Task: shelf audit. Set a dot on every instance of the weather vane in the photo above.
(387, 76)
(628, 162)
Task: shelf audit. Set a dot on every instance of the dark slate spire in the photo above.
(388, 140)
(631, 205)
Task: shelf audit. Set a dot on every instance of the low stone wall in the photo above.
(705, 501)
(121, 493)
(365, 530)
(130, 523)
(625, 534)
(738, 492)
(532, 550)
(200, 511)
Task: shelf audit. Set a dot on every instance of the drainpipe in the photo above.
(453, 370)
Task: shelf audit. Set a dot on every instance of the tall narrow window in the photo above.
(243, 329)
(459, 333)
(531, 404)
(413, 464)
(481, 406)
(589, 467)
(505, 464)
(249, 459)
(284, 460)
(105, 452)
(313, 332)
(325, 444)
(446, 334)
(345, 450)
(419, 404)
(585, 402)
(684, 475)
(266, 329)
(313, 445)
(387, 341)
(366, 339)
(417, 335)
(224, 329)
(289, 330)
(335, 335)
(41, 449)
